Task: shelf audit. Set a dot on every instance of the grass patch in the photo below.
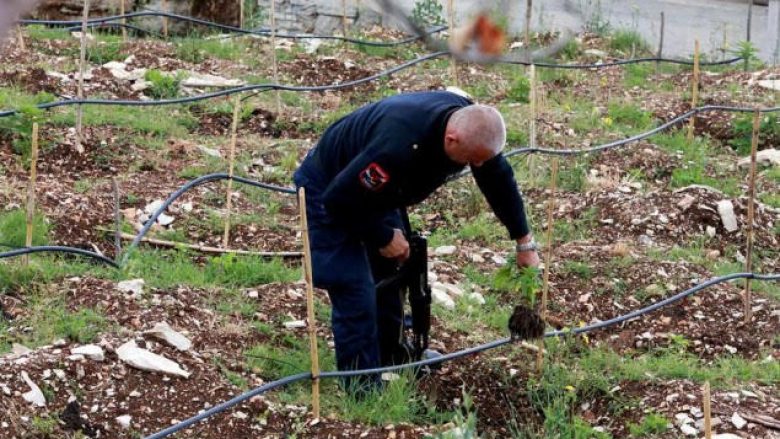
(698, 168)
(168, 121)
(630, 115)
(13, 229)
(628, 42)
(652, 424)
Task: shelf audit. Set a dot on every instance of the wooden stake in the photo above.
(707, 403)
(273, 57)
(208, 249)
(117, 218)
(31, 190)
(749, 18)
(315, 361)
(751, 214)
(532, 122)
(164, 6)
(82, 72)
(124, 21)
(20, 38)
(547, 258)
(241, 14)
(231, 165)
(527, 37)
(660, 42)
(344, 17)
(695, 92)
(453, 63)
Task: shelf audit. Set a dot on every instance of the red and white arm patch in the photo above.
(373, 177)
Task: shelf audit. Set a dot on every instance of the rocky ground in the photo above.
(632, 226)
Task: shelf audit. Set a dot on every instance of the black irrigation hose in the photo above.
(115, 25)
(233, 29)
(58, 249)
(454, 355)
(621, 62)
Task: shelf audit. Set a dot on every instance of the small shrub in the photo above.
(631, 115)
(747, 51)
(19, 128)
(428, 13)
(519, 90)
(513, 280)
(652, 424)
(80, 327)
(742, 131)
(13, 229)
(164, 86)
(627, 42)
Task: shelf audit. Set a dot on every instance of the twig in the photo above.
(273, 58)
(117, 217)
(532, 122)
(231, 165)
(315, 363)
(20, 38)
(695, 92)
(80, 88)
(208, 249)
(31, 190)
(241, 14)
(548, 258)
(764, 420)
(751, 214)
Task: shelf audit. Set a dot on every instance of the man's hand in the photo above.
(528, 258)
(398, 248)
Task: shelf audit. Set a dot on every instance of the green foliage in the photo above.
(38, 32)
(164, 86)
(571, 50)
(747, 51)
(155, 121)
(742, 132)
(43, 426)
(13, 228)
(652, 424)
(80, 327)
(519, 89)
(630, 115)
(428, 13)
(513, 280)
(579, 269)
(255, 15)
(104, 51)
(465, 421)
(627, 42)
(19, 126)
(696, 159)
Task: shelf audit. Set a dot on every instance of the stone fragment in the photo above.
(444, 250)
(726, 436)
(711, 231)
(293, 324)
(165, 220)
(91, 351)
(738, 421)
(727, 216)
(477, 297)
(124, 421)
(686, 202)
(768, 157)
(164, 332)
(442, 298)
(142, 359)
(34, 396)
(208, 151)
(595, 52)
(689, 430)
(20, 349)
(135, 286)
(194, 79)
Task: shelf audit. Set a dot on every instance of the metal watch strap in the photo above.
(528, 246)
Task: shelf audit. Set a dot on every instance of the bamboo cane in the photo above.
(20, 38)
(231, 166)
(117, 217)
(532, 122)
(695, 91)
(315, 363)
(31, 190)
(749, 19)
(660, 41)
(273, 57)
(344, 17)
(206, 248)
(82, 71)
(547, 259)
(164, 6)
(751, 215)
(241, 14)
(124, 21)
(453, 63)
(706, 399)
(527, 36)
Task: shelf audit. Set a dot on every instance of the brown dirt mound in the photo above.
(33, 81)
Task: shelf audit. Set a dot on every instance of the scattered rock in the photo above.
(645, 240)
(135, 286)
(20, 349)
(451, 289)
(442, 298)
(444, 250)
(390, 376)
(476, 258)
(91, 351)
(738, 421)
(689, 430)
(164, 332)
(208, 151)
(124, 421)
(727, 216)
(595, 52)
(194, 79)
(165, 220)
(293, 324)
(711, 231)
(142, 359)
(726, 436)
(713, 254)
(34, 396)
(768, 157)
(686, 202)
(477, 297)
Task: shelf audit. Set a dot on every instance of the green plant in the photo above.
(627, 42)
(164, 86)
(580, 269)
(19, 127)
(428, 13)
(43, 426)
(13, 228)
(742, 132)
(747, 51)
(652, 424)
(630, 115)
(465, 420)
(80, 327)
(511, 279)
(254, 14)
(519, 89)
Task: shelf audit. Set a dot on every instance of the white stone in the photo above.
(208, 151)
(596, 53)
(738, 421)
(34, 396)
(91, 351)
(444, 250)
(252, 294)
(730, 349)
(726, 436)
(153, 206)
(711, 231)
(477, 297)
(165, 220)
(689, 430)
(140, 85)
(142, 359)
(390, 376)
(771, 84)
(194, 79)
(164, 332)
(686, 202)
(452, 289)
(768, 157)
(124, 421)
(293, 324)
(20, 349)
(135, 286)
(499, 260)
(442, 298)
(76, 357)
(476, 258)
(727, 216)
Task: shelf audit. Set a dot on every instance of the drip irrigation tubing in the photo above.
(233, 29)
(58, 249)
(454, 355)
(75, 24)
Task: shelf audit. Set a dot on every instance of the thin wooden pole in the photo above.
(707, 403)
(164, 6)
(231, 166)
(453, 63)
(751, 214)
(527, 37)
(241, 14)
(695, 91)
(344, 17)
(273, 56)
(20, 38)
(124, 21)
(208, 249)
(547, 258)
(31, 190)
(82, 72)
(532, 122)
(315, 361)
(117, 217)
(660, 41)
(749, 19)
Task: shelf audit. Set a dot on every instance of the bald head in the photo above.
(474, 135)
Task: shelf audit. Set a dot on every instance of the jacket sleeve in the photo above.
(496, 180)
(363, 192)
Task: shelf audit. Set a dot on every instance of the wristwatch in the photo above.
(528, 246)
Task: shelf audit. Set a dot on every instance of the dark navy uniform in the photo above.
(366, 168)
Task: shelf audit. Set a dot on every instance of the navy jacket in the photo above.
(390, 154)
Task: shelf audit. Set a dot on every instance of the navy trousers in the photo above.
(367, 327)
